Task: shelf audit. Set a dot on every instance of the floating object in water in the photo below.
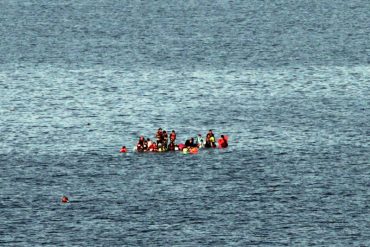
(223, 141)
(191, 150)
(181, 146)
(64, 199)
(123, 149)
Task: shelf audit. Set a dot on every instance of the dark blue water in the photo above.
(287, 81)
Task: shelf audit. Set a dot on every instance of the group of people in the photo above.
(164, 142)
(160, 144)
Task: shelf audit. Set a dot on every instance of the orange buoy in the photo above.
(65, 199)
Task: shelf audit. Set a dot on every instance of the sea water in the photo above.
(287, 81)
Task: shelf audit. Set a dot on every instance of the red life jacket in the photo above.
(181, 146)
(153, 147)
(222, 142)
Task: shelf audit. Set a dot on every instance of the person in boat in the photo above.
(190, 143)
(171, 146)
(173, 136)
(187, 143)
(149, 142)
(210, 140)
(161, 148)
(145, 145)
(159, 136)
(153, 147)
(223, 142)
(165, 139)
(199, 141)
(140, 144)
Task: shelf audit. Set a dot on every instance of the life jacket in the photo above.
(212, 141)
(181, 146)
(123, 150)
(165, 137)
(173, 136)
(153, 147)
(210, 137)
(159, 135)
(193, 150)
(222, 142)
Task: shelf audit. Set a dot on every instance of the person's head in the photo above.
(192, 139)
(123, 146)
(148, 139)
(141, 137)
(164, 132)
(173, 131)
(222, 136)
(160, 129)
(199, 134)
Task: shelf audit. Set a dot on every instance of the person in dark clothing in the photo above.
(187, 143)
(171, 146)
(190, 143)
(165, 139)
(140, 144)
(210, 140)
(145, 146)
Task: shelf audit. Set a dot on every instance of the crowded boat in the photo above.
(164, 142)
